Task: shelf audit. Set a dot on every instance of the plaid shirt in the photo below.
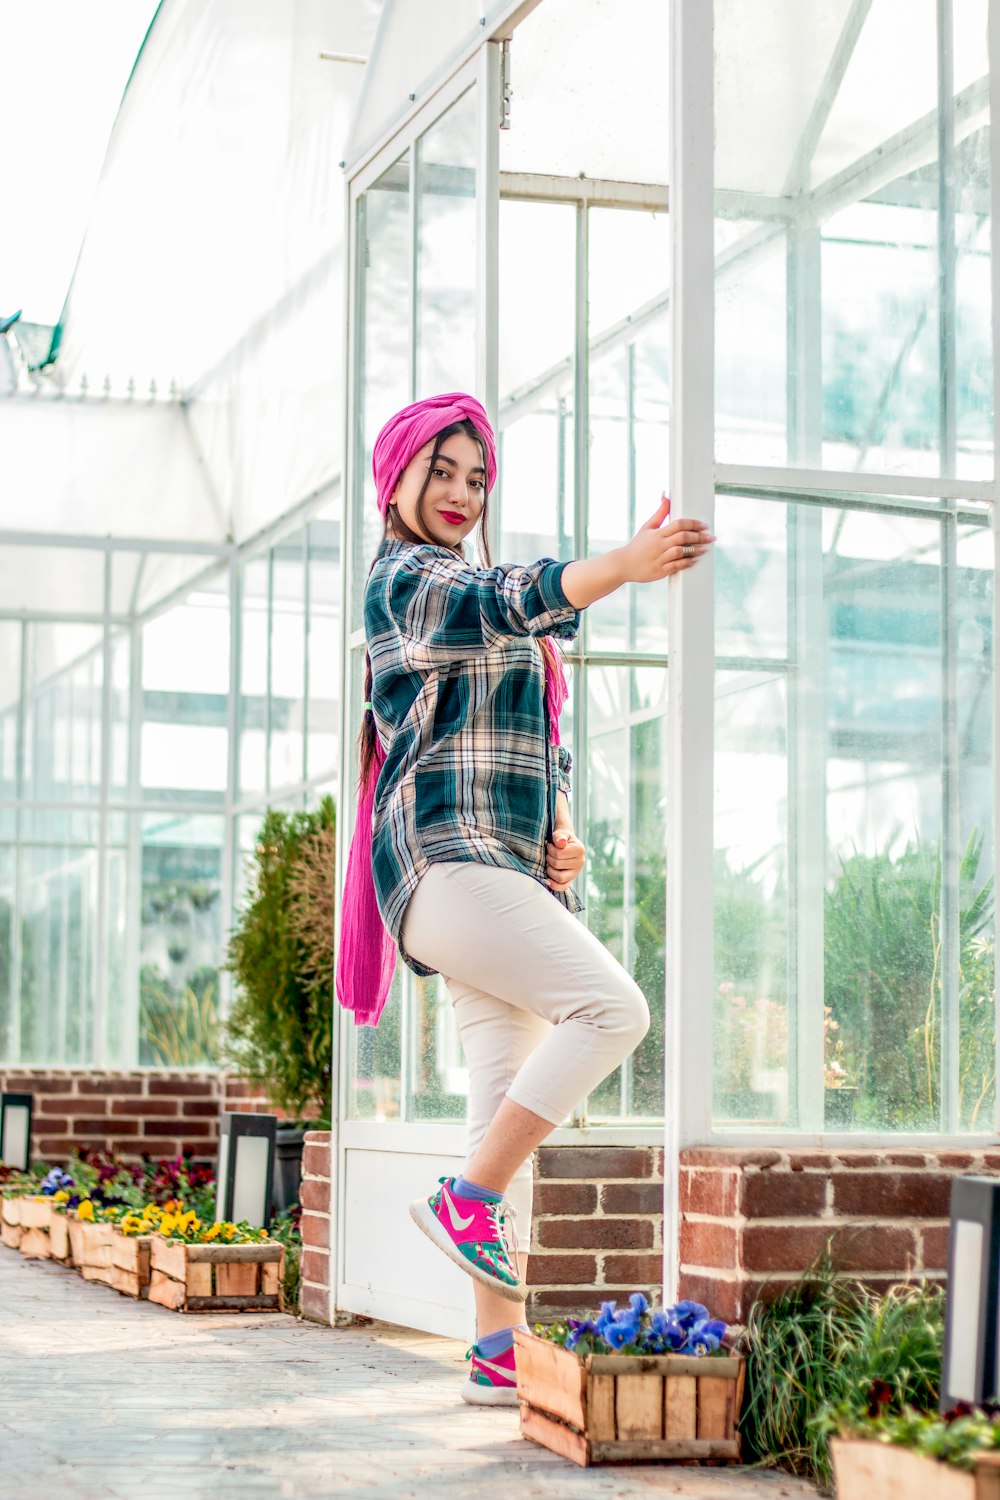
(458, 694)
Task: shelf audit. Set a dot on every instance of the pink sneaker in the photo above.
(491, 1382)
(473, 1235)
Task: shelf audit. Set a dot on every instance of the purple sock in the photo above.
(492, 1344)
(463, 1188)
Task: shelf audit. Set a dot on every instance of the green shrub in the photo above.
(822, 1346)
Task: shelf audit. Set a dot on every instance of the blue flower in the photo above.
(580, 1330)
(705, 1336)
(608, 1310)
(618, 1334)
(688, 1313)
(638, 1303)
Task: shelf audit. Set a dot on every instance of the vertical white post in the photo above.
(994, 60)
(690, 704)
(489, 86)
(99, 1047)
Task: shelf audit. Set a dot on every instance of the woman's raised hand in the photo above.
(656, 551)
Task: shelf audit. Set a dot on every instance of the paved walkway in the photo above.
(102, 1398)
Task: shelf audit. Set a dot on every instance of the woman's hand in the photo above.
(565, 857)
(656, 551)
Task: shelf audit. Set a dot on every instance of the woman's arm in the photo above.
(654, 552)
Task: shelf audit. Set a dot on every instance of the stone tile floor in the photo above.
(102, 1398)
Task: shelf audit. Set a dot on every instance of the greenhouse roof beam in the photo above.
(595, 192)
(798, 173)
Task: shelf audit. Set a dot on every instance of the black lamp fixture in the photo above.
(246, 1168)
(970, 1369)
(15, 1130)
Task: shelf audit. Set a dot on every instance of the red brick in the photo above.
(907, 1158)
(708, 1242)
(706, 1190)
(991, 1159)
(314, 1303)
(315, 1266)
(196, 1109)
(891, 1195)
(729, 1156)
(935, 1246)
(103, 1126)
(135, 1108)
(632, 1198)
(809, 1161)
(566, 1198)
(875, 1247)
(640, 1270)
(581, 1302)
(315, 1160)
(18, 1084)
(177, 1088)
(658, 1157)
(168, 1145)
(162, 1127)
(113, 1084)
(317, 1137)
(958, 1161)
(595, 1234)
(316, 1230)
(562, 1270)
(48, 1124)
(66, 1104)
(55, 1148)
(782, 1247)
(315, 1194)
(596, 1161)
(860, 1158)
(196, 1129)
(724, 1296)
(777, 1195)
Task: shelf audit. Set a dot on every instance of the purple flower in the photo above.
(580, 1330)
(706, 1336)
(688, 1313)
(638, 1303)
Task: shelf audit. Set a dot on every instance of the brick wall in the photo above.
(753, 1220)
(134, 1114)
(598, 1227)
(314, 1297)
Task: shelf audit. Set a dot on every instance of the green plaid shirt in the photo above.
(458, 694)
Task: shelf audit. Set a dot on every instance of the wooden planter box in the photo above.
(216, 1278)
(90, 1245)
(10, 1222)
(608, 1408)
(865, 1469)
(130, 1263)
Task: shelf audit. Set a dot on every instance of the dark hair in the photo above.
(369, 733)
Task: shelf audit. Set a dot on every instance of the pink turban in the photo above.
(407, 432)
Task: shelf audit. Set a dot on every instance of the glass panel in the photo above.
(626, 864)
(8, 1019)
(288, 661)
(858, 949)
(375, 1062)
(629, 456)
(831, 183)
(63, 713)
(533, 501)
(438, 1081)
(59, 865)
(323, 647)
(446, 252)
(254, 665)
(185, 686)
(383, 340)
(181, 940)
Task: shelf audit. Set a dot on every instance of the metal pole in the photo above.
(993, 43)
(690, 721)
(101, 935)
(946, 233)
(17, 936)
(489, 90)
(133, 896)
(230, 840)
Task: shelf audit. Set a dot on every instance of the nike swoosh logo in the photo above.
(487, 1364)
(457, 1222)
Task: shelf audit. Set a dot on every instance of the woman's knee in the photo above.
(628, 1014)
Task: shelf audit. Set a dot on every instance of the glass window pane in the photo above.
(375, 1061)
(251, 714)
(181, 940)
(446, 251)
(185, 686)
(438, 1081)
(288, 661)
(63, 712)
(324, 648)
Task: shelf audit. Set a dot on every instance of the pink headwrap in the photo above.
(407, 432)
(367, 955)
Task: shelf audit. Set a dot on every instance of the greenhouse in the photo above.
(690, 247)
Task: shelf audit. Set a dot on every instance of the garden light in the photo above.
(970, 1367)
(15, 1130)
(246, 1167)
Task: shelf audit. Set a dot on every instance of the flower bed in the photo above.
(864, 1469)
(613, 1389)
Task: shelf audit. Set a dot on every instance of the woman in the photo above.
(464, 852)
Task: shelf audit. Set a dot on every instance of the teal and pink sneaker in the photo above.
(473, 1235)
(491, 1382)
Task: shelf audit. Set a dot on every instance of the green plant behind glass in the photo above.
(883, 982)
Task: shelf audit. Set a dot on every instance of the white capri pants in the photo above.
(544, 1011)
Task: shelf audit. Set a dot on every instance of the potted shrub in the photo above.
(631, 1384)
(920, 1455)
(279, 1033)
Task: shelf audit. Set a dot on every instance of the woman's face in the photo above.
(456, 491)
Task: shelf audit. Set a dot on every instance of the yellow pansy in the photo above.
(60, 1197)
(85, 1210)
